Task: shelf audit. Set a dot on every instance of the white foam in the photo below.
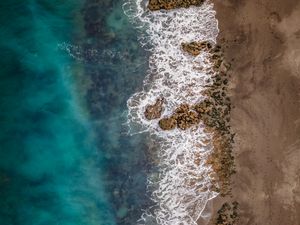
(181, 187)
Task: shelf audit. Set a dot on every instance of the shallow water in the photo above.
(67, 70)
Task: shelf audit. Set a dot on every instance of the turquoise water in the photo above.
(65, 158)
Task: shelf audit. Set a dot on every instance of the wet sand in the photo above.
(262, 42)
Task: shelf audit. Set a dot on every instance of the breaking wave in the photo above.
(181, 187)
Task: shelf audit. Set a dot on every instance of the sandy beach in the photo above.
(261, 40)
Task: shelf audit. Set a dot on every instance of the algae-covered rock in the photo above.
(154, 111)
(167, 123)
(172, 4)
(187, 120)
(185, 117)
(204, 107)
(195, 48)
(228, 214)
(216, 54)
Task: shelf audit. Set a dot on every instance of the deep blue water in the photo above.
(65, 157)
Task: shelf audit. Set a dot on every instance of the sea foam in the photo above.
(181, 188)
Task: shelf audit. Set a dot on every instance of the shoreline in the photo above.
(261, 41)
(176, 98)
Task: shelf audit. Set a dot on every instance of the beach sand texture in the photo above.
(262, 42)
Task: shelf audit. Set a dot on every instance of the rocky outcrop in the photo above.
(167, 123)
(214, 112)
(216, 53)
(154, 111)
(172, 4)
(195, 48)
(215, 109)
(228, 214)
(183, 118)
(222, 162)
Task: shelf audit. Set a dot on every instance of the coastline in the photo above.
(260, 42)
(176, 98)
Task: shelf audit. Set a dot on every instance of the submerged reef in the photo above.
(172, 4)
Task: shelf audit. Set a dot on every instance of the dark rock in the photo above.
(172, 4)
(182, 117)
(195, 48)
(167, 123)
(185, 117)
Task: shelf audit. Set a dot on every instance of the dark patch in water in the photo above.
(113, 79)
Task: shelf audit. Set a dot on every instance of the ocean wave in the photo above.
(181, 188)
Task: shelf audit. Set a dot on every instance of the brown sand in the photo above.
(262, 42)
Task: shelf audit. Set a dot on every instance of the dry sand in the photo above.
(262, 42)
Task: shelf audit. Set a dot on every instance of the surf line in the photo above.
(184, 106)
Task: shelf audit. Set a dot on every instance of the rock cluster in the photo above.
(167, 123)
(216, 54)
(183, 118)
(154, 111)
(215, 109)
(195, 48)
(228, 214)
(217, 58)
(172, 4)
(214, 112)
(222, 162)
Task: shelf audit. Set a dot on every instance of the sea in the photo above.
(75, 77)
